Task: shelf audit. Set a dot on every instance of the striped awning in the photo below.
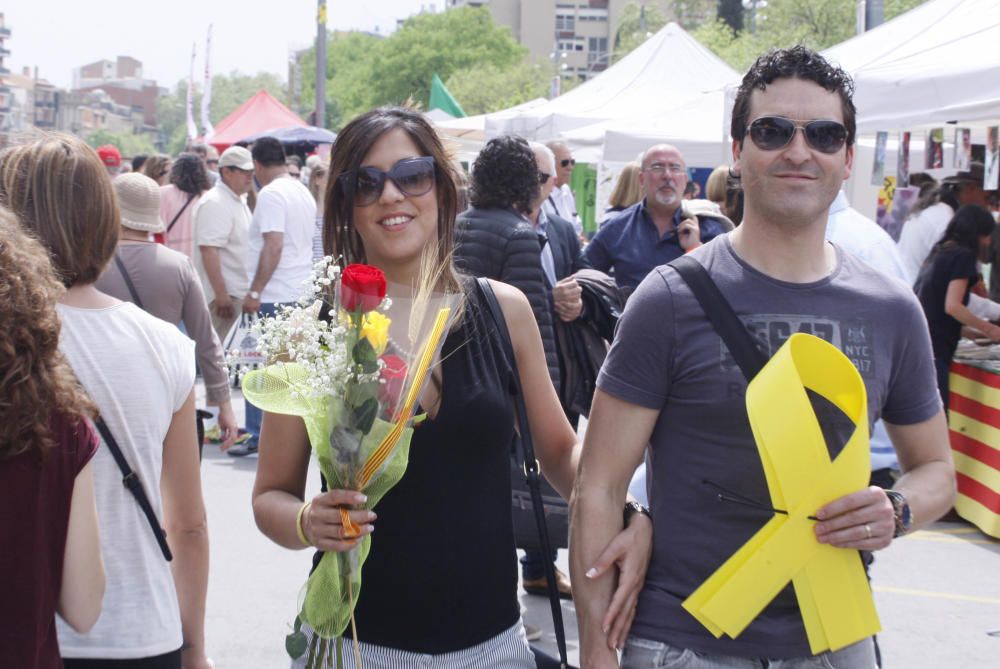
(974, 424)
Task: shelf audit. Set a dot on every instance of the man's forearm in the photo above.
(596, 519)
(929, 490)
(270, 256)
(213, 269)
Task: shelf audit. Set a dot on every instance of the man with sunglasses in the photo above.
(561, 202)
(669, 384)
(656, 229)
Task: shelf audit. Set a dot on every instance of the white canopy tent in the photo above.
(936, 63)
(665, 71)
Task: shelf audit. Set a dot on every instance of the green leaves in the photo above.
(296, 642)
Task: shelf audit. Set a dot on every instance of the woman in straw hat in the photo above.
(164, 283)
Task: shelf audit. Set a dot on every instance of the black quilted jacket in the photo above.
(500, 245)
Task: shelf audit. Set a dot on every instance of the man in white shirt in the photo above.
(561, 201)
(221, 227)
(279, 252)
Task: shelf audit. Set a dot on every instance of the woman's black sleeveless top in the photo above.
(441, 574)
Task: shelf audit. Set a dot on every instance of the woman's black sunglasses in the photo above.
(770, 133)
(412, 176)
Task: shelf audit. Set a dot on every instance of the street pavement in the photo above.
(937, 591)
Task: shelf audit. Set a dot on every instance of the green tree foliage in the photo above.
(365, 71)
(486, 87)
(630, 32)
(130, 144)
(818, 24)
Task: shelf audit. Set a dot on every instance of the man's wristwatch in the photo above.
(632, 508)
(253, 295)
(901, 513)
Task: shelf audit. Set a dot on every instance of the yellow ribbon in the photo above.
(830, 584)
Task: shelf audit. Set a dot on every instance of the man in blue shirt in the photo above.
(654, 231)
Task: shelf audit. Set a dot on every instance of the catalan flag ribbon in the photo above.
(830, 583)
(974, 424)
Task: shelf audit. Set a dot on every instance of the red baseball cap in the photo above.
(110, 155)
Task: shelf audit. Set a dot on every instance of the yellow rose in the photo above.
(375, 329)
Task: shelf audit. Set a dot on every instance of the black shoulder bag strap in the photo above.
(721, 315)
(530, 465)
(128, 281)
(178, 214)
(131, 481)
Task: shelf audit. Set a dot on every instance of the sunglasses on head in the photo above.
(412, 176)
(566, 162)
(770, 133)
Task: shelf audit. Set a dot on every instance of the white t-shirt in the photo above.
(561, 203)
(222, 220)
(139, 371)
(284, 206)
(919, 234)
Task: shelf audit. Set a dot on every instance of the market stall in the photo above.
(974, 427)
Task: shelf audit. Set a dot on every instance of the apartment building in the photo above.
(577, 35)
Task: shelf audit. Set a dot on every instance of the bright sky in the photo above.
(248, 35)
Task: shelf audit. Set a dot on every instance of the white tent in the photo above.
(665, 71)
(938, 62)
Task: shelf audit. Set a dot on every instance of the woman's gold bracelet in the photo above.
(298, 524)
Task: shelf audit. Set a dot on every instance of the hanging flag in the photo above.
(206, 95)
(192, 129)
(442, 99)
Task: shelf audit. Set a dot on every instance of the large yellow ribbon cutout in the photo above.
(830, 583)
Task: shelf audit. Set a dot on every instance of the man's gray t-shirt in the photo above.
(666, 356)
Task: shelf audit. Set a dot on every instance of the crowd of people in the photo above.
(119, 280)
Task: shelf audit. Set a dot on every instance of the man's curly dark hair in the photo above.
(799, 62)
(505, 175)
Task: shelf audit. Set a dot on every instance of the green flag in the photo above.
(442, 99)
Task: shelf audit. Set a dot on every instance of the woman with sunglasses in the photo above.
(440, 581)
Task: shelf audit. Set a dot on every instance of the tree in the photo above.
(130, 144)
(818, 24)
(635, 25)
(485, 88)
(731, 13)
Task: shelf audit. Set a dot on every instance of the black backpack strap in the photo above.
(131, 481)
(721, 315)
(527, 452)
(128, 281)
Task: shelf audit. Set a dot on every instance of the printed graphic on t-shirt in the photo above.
(854, 337)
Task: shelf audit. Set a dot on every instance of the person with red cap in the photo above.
(112, 159)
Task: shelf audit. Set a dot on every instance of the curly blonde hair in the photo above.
(35, 379)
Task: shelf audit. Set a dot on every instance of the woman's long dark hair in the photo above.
(965, 228)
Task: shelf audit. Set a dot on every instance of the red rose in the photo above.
(362, 288)
(391, 378)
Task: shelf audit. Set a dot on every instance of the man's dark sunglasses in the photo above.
(413, 177)
(770, 133)
(543, 177)
(566, 162)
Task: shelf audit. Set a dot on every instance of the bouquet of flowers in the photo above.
(333, 359)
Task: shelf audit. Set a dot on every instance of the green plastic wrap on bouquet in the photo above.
(328, 600)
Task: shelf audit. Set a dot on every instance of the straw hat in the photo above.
(139, 201)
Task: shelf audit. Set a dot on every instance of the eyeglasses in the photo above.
(543, 177)
(659, 169)
(566, 162)
(771, 133)
(294, 174)
(413, 177)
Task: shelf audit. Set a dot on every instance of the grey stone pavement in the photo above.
(937, 591)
